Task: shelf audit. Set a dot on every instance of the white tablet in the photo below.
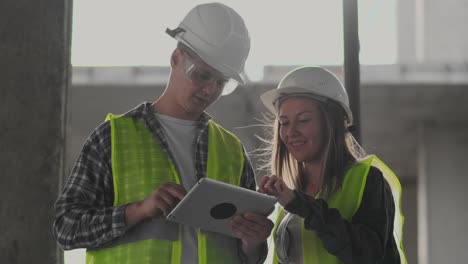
(210, 204)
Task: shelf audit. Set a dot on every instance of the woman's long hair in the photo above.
(339, 152)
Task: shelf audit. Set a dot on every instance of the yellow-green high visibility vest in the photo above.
(139, 166)
(347, 200)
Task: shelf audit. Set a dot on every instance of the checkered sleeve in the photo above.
(248, 175)
(84, 213)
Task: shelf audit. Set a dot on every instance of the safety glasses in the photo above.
(202, 76)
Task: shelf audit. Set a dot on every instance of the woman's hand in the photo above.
(275, 186)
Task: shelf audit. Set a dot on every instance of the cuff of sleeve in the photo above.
(119, 225)
(245, 260)
(263, 253)
(309, 208)
(299, 205)
(315, 220)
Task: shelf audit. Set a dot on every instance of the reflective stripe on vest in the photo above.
(139, 166)
(347, 201)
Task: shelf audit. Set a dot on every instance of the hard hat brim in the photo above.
(270, 99)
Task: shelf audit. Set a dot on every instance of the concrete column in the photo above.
(442, 214)
(34, 76)
(410, 227)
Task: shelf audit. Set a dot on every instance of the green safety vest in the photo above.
(347, 201)
(139, 166)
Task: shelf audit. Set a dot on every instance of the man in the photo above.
(135, 168)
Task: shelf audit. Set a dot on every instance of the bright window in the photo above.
(131, 33)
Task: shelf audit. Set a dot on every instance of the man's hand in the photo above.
(253, 229)
(157, 204)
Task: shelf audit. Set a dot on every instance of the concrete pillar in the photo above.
(351, 62)
(410, 227)
(34, 76)
(442, 214)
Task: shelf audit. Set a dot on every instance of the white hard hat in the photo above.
(218, 35)
(309, 81)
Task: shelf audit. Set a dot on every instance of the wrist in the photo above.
(135, 212)
(254, 252)
(287, 198)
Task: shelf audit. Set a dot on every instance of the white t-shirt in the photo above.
(181, 136)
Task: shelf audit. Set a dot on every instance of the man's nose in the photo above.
(210, 87)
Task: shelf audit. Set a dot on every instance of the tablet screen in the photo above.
(210, 204)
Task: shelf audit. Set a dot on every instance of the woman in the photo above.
(338, 203)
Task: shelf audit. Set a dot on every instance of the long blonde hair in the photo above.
(340, 151)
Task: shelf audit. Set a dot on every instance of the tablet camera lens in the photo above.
(223, 211)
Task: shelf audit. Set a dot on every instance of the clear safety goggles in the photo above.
(202, 76)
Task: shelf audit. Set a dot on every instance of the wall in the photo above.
(443, 168)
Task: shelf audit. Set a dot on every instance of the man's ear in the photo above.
(176, 58)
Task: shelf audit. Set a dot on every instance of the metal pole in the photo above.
(351, 61)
